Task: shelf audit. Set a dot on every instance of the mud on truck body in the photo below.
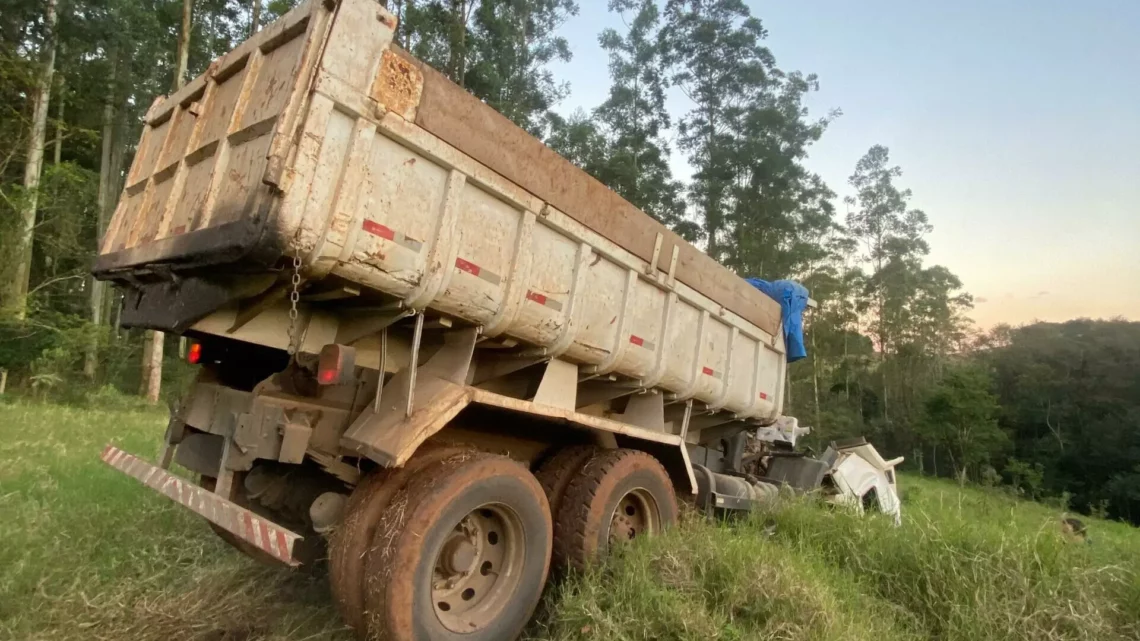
(432, 352)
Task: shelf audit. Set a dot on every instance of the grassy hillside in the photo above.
(90, 554)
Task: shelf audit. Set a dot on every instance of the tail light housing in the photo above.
(337, 365)
(194, 354)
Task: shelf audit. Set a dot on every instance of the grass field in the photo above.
(90, 554)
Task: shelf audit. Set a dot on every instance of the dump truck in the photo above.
(432, 353)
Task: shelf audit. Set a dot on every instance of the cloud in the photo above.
(981, 299)
(1040, 294)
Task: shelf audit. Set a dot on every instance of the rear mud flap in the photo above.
(274, 540)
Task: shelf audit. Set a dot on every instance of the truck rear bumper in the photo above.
(274, 540)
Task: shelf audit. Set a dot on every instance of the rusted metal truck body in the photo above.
(433, 352)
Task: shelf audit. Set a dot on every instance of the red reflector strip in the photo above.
(376, 229)
(708, 371)
(275, 540)
(181, 229)
(763, 396)
(387, 233)
(641, 342)
(543, 299)
(475, 270)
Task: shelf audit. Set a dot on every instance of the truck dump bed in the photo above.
(318, 138)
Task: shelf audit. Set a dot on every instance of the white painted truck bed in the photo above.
(319, 139)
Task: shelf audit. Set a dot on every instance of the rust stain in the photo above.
(387, 19)
(409, 162)
(398, 85)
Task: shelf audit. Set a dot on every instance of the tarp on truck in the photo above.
(793, 300)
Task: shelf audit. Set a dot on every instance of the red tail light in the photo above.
(337, 365)
(194, 356)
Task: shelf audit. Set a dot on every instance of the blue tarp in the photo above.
(793, 300)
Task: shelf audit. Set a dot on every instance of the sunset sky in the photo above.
(1016, 123)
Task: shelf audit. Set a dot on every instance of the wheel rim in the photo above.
(636, 514)
(478, 568)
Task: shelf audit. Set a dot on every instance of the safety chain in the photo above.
(294, 298)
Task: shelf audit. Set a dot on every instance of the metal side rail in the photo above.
(275, 540)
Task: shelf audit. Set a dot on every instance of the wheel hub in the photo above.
(477, 568)
(459, 555)
(636, 514)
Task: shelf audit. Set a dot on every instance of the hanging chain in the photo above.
(294, 298)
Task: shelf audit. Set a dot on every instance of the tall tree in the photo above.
(746, 137)
(106, 201)
(254, 16)
(439, 33)
(961, 416)
(888, 231)
(183, 59)
(713, 50)
(33, 163)
(635, 119)
(579, 140)
(151, 385)
(513, 42)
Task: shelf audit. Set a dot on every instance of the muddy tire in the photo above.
(618, 495)
(352, 539)
(462, 553)
(556, 473)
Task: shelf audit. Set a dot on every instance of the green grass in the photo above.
(90, 554)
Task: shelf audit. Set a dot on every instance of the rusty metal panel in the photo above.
(271, 89)
(399, 85)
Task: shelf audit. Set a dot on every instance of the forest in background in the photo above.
(1050, 410)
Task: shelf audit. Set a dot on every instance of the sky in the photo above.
(1016, 124)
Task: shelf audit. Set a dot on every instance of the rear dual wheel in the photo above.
(460, 551)
(459, 542)
(616, 496)
(351, 541)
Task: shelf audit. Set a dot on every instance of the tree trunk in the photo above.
(32, 167)
(152, 350)
(183, 45)
(787, 392)
(152, 366)
(58, 126)
(815, 377)
(105, 201)
(116, 179)
(457, 42)
(255, 17)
